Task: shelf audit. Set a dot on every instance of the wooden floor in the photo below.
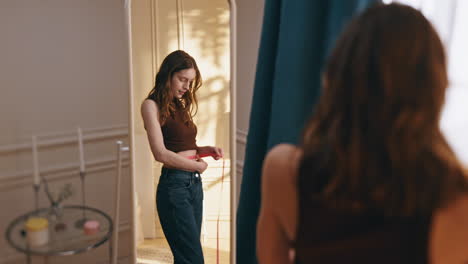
(157, 251)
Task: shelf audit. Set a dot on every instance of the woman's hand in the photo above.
(201, 165)
(217, 153)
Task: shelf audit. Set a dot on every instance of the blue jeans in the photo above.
(179, 201)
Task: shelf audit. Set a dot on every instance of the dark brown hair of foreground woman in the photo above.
(374, 141)
(374, 180)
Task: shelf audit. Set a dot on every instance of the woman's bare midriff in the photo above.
(185, 154)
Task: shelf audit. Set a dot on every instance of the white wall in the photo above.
(63, 64)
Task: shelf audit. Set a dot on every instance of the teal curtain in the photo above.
(296, 37)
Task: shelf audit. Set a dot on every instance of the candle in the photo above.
(80, 147)
(35, 161)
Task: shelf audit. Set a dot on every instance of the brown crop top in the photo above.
(177, 135)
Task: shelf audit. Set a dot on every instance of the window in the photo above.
(449, 17)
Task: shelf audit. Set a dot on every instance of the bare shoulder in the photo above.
(449, 233)
(279, 181)
(149, 113)
(280, 161)
(149, 106)
(460, 207)
(456, 212)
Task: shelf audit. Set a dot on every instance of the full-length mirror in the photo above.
(202, 30)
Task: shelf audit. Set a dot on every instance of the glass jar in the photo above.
(37, 229)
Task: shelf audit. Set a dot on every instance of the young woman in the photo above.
(167, 114)
(374, 180)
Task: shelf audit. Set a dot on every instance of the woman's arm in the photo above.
(149, 112)
(215, 151)
(276, 227)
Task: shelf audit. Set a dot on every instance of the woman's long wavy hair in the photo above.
(374, 142)
(161, 93)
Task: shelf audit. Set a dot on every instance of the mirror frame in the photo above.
(233, 125)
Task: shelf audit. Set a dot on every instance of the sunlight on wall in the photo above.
(206, 38)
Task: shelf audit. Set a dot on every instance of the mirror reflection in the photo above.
(201, 30)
